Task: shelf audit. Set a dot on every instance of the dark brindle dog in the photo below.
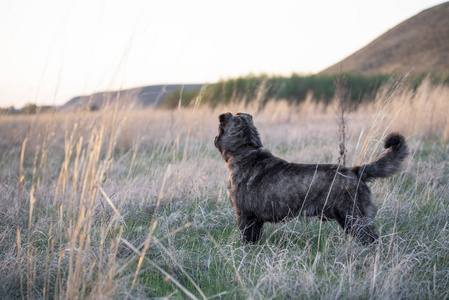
(265, 188)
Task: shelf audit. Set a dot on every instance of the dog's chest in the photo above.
(229, 185)
(234, 186)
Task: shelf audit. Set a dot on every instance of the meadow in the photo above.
(131, 203)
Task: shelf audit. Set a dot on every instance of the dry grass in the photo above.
(128, 203)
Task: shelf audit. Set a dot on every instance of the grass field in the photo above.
(132, 204)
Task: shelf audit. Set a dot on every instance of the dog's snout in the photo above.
(216, 141)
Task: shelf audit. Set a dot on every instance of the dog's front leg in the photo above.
(250, 228)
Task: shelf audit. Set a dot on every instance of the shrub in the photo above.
(173, 98)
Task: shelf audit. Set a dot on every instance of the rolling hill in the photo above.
(141, 96)
(418, 45)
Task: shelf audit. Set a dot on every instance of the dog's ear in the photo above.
(254, 140)
(245, 115)
(224, 118)
(251, 132)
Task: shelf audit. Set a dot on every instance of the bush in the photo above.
(29, 109)
(94, 107)
(294, 88)
(173, 98)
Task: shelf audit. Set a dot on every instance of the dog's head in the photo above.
(236, 135)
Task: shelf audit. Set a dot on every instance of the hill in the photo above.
(141, 96)
(419, 44)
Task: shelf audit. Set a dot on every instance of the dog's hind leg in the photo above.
(359, 226)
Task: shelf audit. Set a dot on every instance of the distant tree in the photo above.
(29, 109)
(9, 110)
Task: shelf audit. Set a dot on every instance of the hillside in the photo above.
(419, 44)
(142, 96)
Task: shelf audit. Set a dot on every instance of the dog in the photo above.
(265, 188)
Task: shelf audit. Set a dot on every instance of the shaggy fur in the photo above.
(265, 188)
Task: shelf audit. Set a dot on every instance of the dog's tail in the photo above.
(389, 162)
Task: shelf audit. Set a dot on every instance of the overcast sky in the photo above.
(52, 50)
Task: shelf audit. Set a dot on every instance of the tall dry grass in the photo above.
(128, 203)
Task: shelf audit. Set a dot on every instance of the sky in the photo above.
(53, 50)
